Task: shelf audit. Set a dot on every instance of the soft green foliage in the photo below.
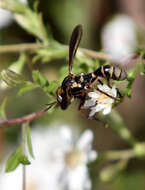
(2, 109)
(15, 159)
(40, 79)
(49, 54)
(27, 87)
(129, 181)
(29, 143)
(117, 123)
(140, 69)
(109, 172)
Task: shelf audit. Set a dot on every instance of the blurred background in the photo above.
(115, 27)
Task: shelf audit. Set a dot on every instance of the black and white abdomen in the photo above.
(110, 72)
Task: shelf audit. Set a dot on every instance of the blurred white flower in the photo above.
(60, 163)
(119, 37)
(6, 17)
(99, 101)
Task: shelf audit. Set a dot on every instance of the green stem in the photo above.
(117, 155)
(117, 123)
(19, 47)
(33, 46)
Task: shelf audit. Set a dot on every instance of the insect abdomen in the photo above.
(110, 72)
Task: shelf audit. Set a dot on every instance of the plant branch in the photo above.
(25, 119)
(33, 46)
(19, 47)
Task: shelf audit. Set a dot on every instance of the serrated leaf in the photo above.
(28, 87)
(24, 160)
(32, 22)
(40, 79)
(2, 109)
(29, 142)
(13, 160)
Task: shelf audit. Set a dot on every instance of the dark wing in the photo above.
(73, 44)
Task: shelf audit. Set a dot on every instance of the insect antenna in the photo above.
(73, 44)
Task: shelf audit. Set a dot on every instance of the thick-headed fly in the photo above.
(77, 86)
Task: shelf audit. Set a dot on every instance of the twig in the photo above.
(19, 47)
(91, 53)
(25, 119)
(33, 46)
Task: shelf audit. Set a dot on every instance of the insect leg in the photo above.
(100, 81)
(107, 94)
(82, 101)
(50, 105)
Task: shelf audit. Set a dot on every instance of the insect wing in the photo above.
(73, 45)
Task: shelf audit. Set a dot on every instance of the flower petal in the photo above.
(114, 91)
(104, 87)
(92, 113)
(85, 141)
(89, 103)
(72, 176)
(93, 94)
(107, 110)
(92, 156)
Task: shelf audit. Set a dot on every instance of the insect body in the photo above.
(77, 86)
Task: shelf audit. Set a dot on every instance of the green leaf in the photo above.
(29, 142)
(27, 18)
(24, 160)
(28, 87)
(40, 79)
(142, 63)
(143, 69)
(51, 89)
(32, 22)
(13, 160)
(18, 65)
(131, 75)
(2, 109)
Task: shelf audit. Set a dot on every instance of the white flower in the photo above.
(99, 101)
(119, 37)
(6, 17)
(60, 162)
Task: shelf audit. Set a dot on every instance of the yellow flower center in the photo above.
(74, 158)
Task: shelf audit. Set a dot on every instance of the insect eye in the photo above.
(59, 98)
